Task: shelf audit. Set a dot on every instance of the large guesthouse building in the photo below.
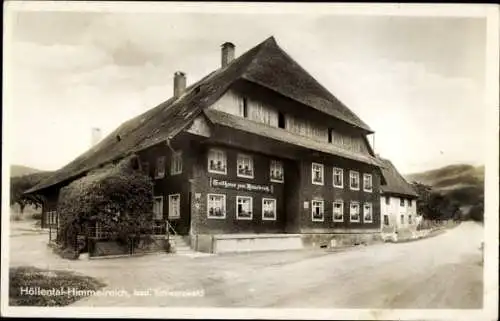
(255, 153)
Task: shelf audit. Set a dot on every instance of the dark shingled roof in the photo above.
(395, 182)
(266, 64)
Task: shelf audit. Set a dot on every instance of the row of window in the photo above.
(318, 212)
(217, 163)
(402, 202)
(175, 165)
(401, 219)
(174, 207)
(216, 207)
(317, 170)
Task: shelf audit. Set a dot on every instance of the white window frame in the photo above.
(176, 163)
(224, 161)
(366, 175)
(238, 198)
(351, 213)
(160, 172)
(161, 208)
(341, 177)
(371, 212)
(341, 202)
(170, 206)
(356, 174)
(224, 209)
(273, 200)
(244, 157)
(276, 165)
(322, 208)
(322, 167)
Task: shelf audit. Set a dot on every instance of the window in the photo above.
(354, 180)
(158, 208)
(410, 220)
(330, 135)
(160, 167)
(367, 213)
(145, 168)
(281, 120)
(338, 211)
(244, 208)
(367, 182)
(174, 206)
(410, 203)
(176, 163)
(245, 108)
(268, 209)
(338, 177)
(387, 200)
(245, 166)
(317, 211)
(317, 173)
(402, 202)
(51, 218)
(386, 220)
(216, 206)
(276, 171)
(402, 219)
(217, 161)
(354, 212)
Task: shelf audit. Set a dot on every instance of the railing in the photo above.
(170, 230)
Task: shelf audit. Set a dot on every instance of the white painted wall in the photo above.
(394, 210)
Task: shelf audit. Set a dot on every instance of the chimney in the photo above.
(227, 53)
(179, 83)
(96, 136)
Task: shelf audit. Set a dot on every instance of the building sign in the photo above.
(241, 186)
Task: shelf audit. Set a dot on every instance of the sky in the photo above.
(418, 82)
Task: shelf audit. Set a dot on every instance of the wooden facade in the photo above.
(315, 174)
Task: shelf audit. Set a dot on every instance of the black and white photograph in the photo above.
(250, 160)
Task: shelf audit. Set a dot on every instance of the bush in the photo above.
(117, 197)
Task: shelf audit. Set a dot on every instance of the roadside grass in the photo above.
(35, 279)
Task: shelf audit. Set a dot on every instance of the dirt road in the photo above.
(440, 272)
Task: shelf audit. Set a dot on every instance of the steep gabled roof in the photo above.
(395, 182)
(266, 64)
(275, 69)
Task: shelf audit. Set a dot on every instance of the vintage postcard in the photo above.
(250, 160)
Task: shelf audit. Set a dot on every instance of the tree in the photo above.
(433, 205)
(424, 195)
(20, 184)
(476, 212)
